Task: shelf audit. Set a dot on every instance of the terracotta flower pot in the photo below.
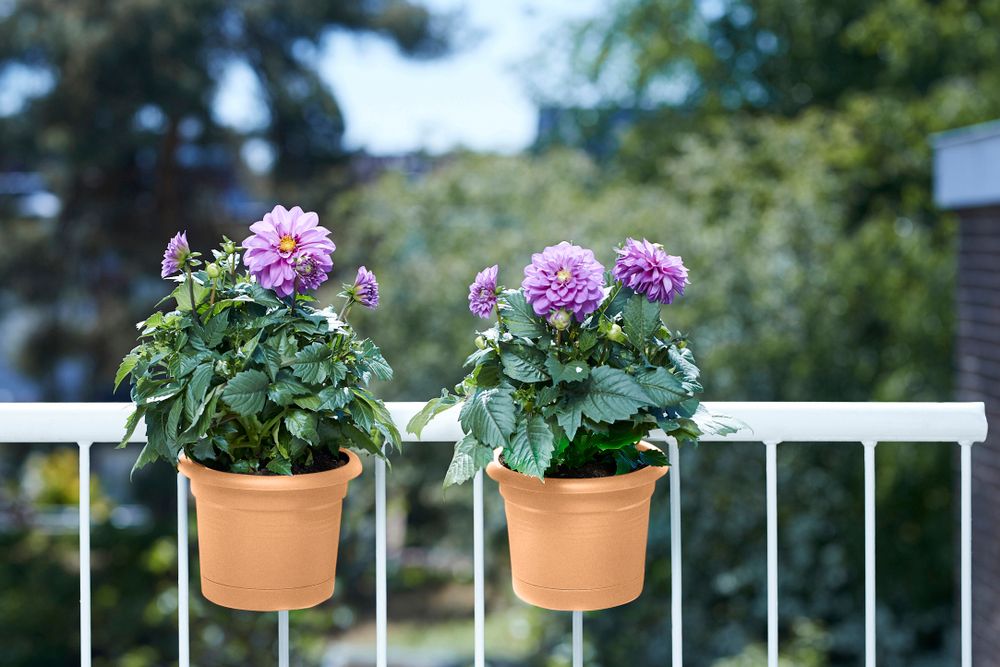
(577, 544)
(268, 543)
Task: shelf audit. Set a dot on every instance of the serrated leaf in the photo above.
(530, 450)
(572, 371)
(188, 362)
(246, 392)
(376, 363)
(310, 363)
(489, 415)
(214, 330)
(182, 295)
(280, 466)
(683, 361)
(197, 387)
(286, 388)
(570, 416)
(302, 424)
(612, 395)
(524, 363)
(311, 403)
(333, 398)
(640, 320)
(131, 423)
(337, 371)
(663, 387)
(518, 315)
(470, 457)
(272, 359)
(431, 409)
(128, 363)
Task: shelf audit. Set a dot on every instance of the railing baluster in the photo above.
(282, 639)
(183, 577)
(381, 616)
(966, 448)
(676, 624)
(577, 639)
(771, 451)
(479, 570)
(84, 504)
(869, 446)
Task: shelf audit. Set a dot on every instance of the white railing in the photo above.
(770, 423)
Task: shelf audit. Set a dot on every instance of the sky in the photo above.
(476, 97)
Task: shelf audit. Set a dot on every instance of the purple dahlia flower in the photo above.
(483, 292)
(309, 270)
(647, 269)
(279, 240)
(564, 276)
(173, 257)
(365, 290)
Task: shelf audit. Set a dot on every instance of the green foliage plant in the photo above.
(244, 381)
(557, 393)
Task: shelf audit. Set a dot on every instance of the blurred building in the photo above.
(967, 180)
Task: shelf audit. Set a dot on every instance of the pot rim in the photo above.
(648, 475)
(233, 480)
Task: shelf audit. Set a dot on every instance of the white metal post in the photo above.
(381, 616)
(771, 451)
(577, 639)
(869, 446)
(183, 577)
(676, 624)
(282, 639)
(479, 570)
(84, 504)
(966, 448)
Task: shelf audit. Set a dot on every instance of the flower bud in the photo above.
(212, 270)
(561, 319)
(616, 334)
(229, 247)
(480, 342)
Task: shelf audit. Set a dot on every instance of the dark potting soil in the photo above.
(602, 467)
(323, 460)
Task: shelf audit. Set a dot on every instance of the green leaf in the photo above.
(286, 388)
(663, 387)
(683, 361)
(530, 450)
(489, 416)
(128, 363)
(131, 423)
(310, 363)
(188, 362)
(206, 414)
(272, 359)
(146, 456)
(376, 363)
(246, 392)
(360, 438)
(570, 416)
(263, 296)
(717, 424)
(280, 466)
(640, 320)
(524, 363)
(302, 424)
(518, 315)
(183, 297)
(333, 398)
(214, 330)
(470, 456)
(337, 370)
(572, 371)
(197, 387)
(612, 395)
(431, 409)
(653, 457)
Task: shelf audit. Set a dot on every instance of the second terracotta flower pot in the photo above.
(577, 544)
(268, 543)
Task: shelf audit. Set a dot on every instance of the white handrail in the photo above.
(778, 421)
(770, 423)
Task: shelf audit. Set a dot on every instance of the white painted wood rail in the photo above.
(770, 423)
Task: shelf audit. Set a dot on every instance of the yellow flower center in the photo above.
(287, 244)
(563, 275)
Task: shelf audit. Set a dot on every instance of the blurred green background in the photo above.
(780, 147)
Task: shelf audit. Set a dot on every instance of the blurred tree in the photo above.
(125, 128)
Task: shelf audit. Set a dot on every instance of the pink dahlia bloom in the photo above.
(284, 240)
(483, 292)
(173, 257)
(647, 269)
(564, 276)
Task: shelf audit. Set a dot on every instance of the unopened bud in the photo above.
(616, 334)
(561, 319)
(212, 270)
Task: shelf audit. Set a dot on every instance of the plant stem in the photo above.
(190, 282)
